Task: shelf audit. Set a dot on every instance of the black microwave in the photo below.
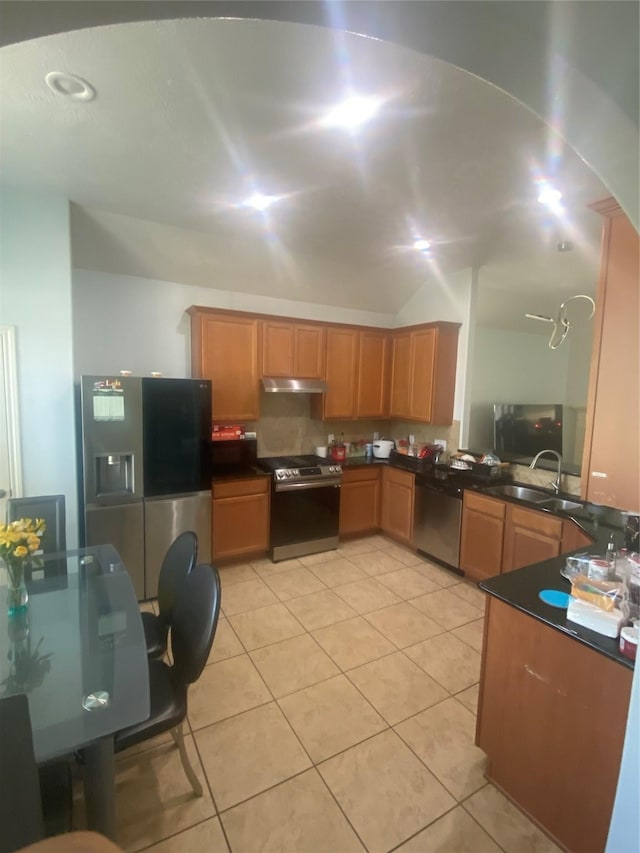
(233, 455)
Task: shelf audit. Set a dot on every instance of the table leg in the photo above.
(100, 787)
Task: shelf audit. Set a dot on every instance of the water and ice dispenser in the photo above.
(114, 474)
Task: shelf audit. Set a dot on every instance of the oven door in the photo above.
(304, 518)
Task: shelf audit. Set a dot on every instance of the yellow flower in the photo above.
(21, 551)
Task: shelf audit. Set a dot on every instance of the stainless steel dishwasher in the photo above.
(437, 519)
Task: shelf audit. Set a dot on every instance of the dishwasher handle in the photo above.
(452, 491)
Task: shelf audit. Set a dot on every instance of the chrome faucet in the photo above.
(555, 485)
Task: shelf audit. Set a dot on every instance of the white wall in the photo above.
(511, 367)
(35, 297)
(139, 324)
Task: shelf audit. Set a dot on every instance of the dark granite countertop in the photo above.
(362, 462)
(244, 473)
(520, 589)
(598, 521)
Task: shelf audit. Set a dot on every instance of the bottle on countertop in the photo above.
(610, 556)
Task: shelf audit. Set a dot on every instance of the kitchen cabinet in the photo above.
(294, 350)
(552, 715)
(573, 537)
(482, 535)
(360, 499)
(340, 374)
(400, 374)
(372, 391)
(225, 348)
(398, 489)
(611, 459)
(356, 373)
(529, 537)
(240, 523)
(423, 373)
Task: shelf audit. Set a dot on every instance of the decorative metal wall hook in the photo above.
(561, 324)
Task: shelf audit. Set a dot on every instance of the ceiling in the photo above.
(191, 116)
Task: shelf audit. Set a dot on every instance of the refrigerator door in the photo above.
(112, 439)
(166, 518)
(177, 436)
(123, 527)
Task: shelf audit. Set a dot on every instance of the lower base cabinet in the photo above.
(530, 537)
(482, 535)
(552, 717)
(240, 524)
(360, 499)
(498, 536)
(398, 488)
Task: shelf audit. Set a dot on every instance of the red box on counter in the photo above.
(227, 431)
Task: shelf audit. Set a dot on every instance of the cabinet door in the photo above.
(423, 349)
(240, 518)
(277, 348)
(359, 501)
(481, 544)
(225, 350)
(340, 373)
(373, 372)
(611, 461)
(400, 370)
(397, 504)
(309, 352)
(530, 537)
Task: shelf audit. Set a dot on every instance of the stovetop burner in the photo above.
(271, 463)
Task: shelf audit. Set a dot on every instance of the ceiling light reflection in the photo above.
(422, 245)
(351, 113)
(259, 201)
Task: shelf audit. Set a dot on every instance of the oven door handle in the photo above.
(299, 486)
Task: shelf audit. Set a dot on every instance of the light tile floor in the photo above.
(336, 713)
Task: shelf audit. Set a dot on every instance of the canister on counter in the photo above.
(629, 642)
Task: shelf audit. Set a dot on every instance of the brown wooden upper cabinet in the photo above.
(356, 373)
(611, 459)
(372, 394)
(423, 373)
(294, 350)
(224, 348)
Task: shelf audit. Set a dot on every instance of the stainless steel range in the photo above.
(305, 505)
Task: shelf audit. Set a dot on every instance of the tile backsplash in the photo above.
(286, 426)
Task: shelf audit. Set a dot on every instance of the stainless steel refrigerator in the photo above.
(146, 458)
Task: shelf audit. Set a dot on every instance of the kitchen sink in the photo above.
(520, 492)
(559, 505)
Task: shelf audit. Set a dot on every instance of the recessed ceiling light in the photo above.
(258, 201)
(352, 112)
(422, 245)
(549, 195)
(70, 85)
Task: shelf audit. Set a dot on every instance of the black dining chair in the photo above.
(35, 802)
(178, 562)
(193, 627)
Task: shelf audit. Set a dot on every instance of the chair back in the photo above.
(20, 805)
(49, 507)
(178, 562)
(194, 622)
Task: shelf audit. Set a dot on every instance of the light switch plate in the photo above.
(441, 441)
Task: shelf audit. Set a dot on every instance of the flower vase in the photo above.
(17, 595)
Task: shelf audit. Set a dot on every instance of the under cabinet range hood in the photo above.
(281, 385)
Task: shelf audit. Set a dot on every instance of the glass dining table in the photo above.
(78, 652)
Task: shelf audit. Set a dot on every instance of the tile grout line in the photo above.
(342, 671)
